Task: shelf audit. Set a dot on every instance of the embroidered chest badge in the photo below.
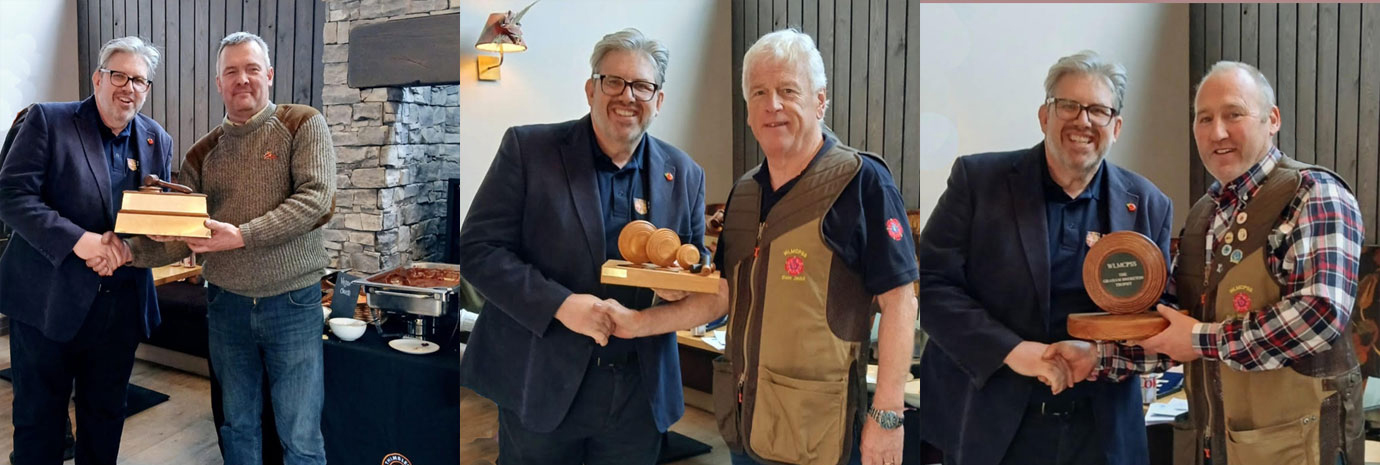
(1241, 298)
(270, 156)
(893, 229)
(795, 265)
(1241, 301)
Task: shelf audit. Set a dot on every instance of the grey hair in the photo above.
(790, 47)
(1090, 63)
(632, 40)
(1267, 92)
(241, 38)
(131, 45)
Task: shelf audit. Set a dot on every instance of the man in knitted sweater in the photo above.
(268, 172)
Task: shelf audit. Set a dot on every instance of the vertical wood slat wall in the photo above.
(1324, 63)
(872, 60)
(184, 97)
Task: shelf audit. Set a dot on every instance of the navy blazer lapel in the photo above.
(584, 189)
(661, 178)
(1121, 204)
(1027, 200)
(90, 138)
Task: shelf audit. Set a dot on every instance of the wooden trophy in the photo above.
(655, 258)
(150, 211)
(1124, 274)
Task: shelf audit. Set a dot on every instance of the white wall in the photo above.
(545, 84)
(39, 51)
(982, 77)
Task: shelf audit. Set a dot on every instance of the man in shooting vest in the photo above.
(815, 240)
(1267, 271)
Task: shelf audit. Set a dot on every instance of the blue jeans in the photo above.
(279, 334)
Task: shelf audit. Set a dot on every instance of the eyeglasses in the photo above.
(1068, 110)
(613, 85)
(121, 79)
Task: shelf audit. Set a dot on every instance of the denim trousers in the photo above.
(279, 335)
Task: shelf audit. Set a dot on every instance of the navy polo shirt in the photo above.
(118, 154)
(855, 227)
(621, 200)
(1069, 221)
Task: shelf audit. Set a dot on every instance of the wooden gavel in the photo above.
(153, 184)
(641, 242)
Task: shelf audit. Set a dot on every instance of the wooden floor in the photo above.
(179, 431)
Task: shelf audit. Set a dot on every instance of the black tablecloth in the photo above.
(380, 401)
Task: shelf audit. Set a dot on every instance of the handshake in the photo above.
(599, 319)
(1059, 365)
(103, 252)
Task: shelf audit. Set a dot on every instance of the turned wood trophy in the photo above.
(151, 211)
(1124, 274)
(655, 258)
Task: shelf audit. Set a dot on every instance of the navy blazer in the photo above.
(54, 186)
(533, 236)
(984, 287)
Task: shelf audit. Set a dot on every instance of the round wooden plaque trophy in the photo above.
(655, 258)
(1124, 274)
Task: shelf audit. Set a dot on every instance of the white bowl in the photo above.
(347, 329)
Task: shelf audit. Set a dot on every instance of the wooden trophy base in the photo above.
(162, 214)
(625, 273)
(161, 224)
(1100, 326)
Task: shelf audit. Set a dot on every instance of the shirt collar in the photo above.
(602, 161)
(763, 175)
(1244, 186)
(1054, 191)
(251, 118)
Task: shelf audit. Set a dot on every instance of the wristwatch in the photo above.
(887, 419)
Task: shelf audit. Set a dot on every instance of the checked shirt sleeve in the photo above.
(1317, 260)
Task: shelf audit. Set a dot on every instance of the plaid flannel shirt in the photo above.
(1315, 253)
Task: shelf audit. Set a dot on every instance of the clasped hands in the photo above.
(599, 319)
(1059, 365)
(103, 252)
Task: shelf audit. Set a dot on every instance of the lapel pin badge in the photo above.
(1131, 207)
(670, 177)
(270, 156)
(150, 140)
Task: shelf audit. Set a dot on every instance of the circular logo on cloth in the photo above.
(795, 266)
(1241, 302)
(396, 459)
(893, 229)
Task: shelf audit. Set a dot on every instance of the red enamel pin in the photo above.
(270, 156)
(670, 177)
(150, 141)
(1131, 207)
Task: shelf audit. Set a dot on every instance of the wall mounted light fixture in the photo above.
(503, 34)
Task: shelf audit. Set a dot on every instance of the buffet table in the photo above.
(380, 401)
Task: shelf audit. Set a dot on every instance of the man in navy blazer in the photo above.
(994, 292)
(544, 220)
(75, 312)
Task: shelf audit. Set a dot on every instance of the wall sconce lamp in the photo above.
(503, 34)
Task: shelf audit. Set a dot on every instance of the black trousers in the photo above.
(98, 359)
(610, 422)
(1056, 433)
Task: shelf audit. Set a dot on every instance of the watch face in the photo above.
(886, 419)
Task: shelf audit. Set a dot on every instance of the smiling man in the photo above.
(545, 218)
(815, 241)
(1001, 269)
(268, 172)
(1267, 270)
(76, 313)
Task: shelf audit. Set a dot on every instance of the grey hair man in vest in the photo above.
(815, 240)
(1267, 269)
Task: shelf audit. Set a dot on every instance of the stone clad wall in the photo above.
(395, 148)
